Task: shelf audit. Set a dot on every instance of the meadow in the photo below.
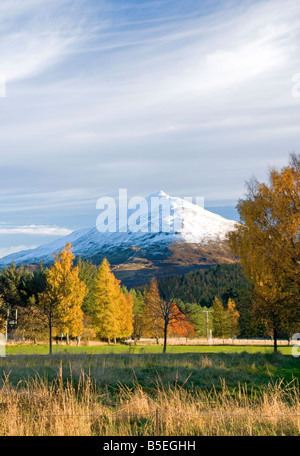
(41, 349)
(91, 393)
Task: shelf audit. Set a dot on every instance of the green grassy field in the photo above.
(139, 349)
(79, 390)
(199, 368)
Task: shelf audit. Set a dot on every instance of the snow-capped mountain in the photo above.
(179, 223)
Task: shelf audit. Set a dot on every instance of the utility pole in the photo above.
(207, 329)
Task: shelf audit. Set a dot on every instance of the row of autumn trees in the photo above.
(61, 307)
(70, 300)
(55, 301)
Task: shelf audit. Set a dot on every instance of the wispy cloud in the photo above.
(160, 76)
(42, 230)
(39, 34)
(14, 249)
(12, 202)
(164, 94)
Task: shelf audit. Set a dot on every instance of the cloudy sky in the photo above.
(191, 97)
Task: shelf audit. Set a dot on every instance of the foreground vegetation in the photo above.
(195, 394)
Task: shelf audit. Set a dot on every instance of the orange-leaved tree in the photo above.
(180, 326)
(161, 314)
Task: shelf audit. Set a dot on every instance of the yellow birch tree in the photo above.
(64, 295)
(233, 318)
(106, 314)
(268, 244)
(125, 315)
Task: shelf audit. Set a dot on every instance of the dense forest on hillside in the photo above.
(225, 281)
(202, 286)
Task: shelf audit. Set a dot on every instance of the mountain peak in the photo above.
(158, 194)
(185, 223)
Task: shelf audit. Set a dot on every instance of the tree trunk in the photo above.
(115, 340)
(50, 330)
(165, 337)
(275, 340)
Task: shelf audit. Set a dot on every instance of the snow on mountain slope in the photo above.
(182, 222)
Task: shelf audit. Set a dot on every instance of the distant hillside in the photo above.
(188, 238)
(203, 285)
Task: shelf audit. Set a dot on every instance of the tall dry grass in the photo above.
(37, 407)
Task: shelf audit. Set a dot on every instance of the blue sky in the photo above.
(189, 97)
